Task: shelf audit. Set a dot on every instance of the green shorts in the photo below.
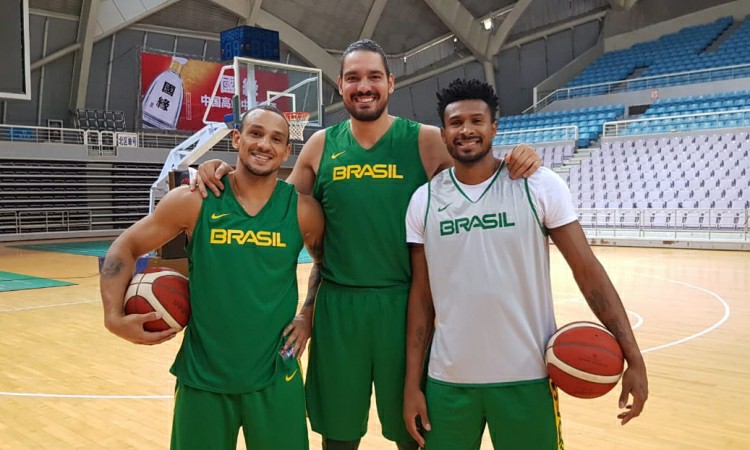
(358, 340)
(271, 419)
(519, 416)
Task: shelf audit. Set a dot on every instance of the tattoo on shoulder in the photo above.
(111, 267)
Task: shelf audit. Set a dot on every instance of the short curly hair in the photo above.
(462, 89)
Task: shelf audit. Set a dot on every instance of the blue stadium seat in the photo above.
(676, 52)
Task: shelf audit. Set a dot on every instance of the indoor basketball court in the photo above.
(69, 383)
(70, 187)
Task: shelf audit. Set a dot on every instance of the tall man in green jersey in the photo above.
(363, 171)
(242, 250)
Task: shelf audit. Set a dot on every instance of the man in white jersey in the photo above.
(481, 282)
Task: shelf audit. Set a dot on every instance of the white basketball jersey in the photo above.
(488, 263)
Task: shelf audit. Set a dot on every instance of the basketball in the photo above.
(163, 290)
(584, 359)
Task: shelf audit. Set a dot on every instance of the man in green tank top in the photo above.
(242, 252)
(363, 171)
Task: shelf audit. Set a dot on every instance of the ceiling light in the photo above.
(487, 23)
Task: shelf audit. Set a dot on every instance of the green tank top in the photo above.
(364, 194)
(243, 292)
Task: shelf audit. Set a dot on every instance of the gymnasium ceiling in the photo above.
(400, 26)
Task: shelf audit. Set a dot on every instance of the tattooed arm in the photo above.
(311, 224)
(604, 301)
(420, 323)
(313, 283)
(176, 212)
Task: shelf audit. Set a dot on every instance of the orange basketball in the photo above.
(584, 359)
(159, 289)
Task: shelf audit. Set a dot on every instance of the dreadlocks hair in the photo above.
(461, 89)
(365, 45)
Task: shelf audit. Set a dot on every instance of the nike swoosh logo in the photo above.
(215, 216)
(288, 378)
(336, 155)
(442, 208)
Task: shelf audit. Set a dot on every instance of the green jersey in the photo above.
(364, 194)
(243, 292)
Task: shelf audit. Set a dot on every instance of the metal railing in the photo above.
(641, 83)
(726, 223)
(677, 123)
(100, 142)
(535, 135)
(41, 135)
(172, 140)
(723, 223)
(679, 223)
(20, 222)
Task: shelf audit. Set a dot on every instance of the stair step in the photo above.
(723, 37)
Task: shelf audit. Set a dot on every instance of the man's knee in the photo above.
(330, 444)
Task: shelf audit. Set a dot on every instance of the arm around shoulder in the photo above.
(522, 161)
(209, 176)
(432, 150)
(306, 168)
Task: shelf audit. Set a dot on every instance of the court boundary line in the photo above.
(85, 396)
(725, 317)
(639, 318)
(28, 308)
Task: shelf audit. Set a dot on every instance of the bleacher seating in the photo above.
(552, 155)
(100, 120)
(672, 53)
(693, 182)
(588, 120)
(679, 113)
(700, 104)
(733, 51)
(47, 196)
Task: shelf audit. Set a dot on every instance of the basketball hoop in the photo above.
(297, 122)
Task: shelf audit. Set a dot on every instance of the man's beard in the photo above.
(368, 115)
(470, 158)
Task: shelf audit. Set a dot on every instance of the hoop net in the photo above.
(297, 123)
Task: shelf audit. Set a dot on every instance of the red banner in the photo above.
(176, 92)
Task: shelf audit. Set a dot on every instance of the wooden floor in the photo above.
(66, 383)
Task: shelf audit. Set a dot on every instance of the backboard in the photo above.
(15, 76)
(290, 88)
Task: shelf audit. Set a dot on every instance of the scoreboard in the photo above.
(250, 42)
